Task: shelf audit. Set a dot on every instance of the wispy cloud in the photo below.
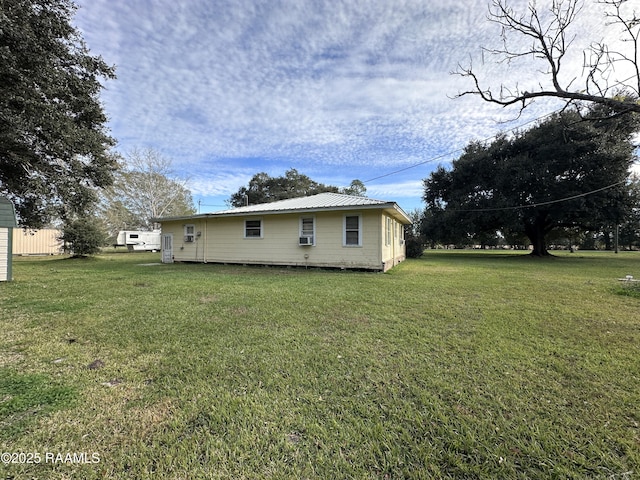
(337, 89)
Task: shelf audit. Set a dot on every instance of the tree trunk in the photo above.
(606, 236)
(536, 231)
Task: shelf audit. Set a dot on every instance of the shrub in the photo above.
(415, 246)
(83, 236)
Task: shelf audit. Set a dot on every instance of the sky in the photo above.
(337, 89)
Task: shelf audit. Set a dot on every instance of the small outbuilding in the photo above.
(324, 230)
(7, 224)
(45, 241)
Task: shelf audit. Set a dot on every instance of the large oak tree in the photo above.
(54, 147)
(566, 172)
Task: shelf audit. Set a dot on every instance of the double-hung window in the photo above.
(387, 232)
(352, 231)
(253, 228)
(307, 230)
(189, 233)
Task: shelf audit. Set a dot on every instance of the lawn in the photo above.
(457, 365)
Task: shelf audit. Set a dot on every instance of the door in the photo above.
(167, 248)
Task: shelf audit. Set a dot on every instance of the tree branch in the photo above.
(551, 43)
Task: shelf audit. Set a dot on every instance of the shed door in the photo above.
(167, 248)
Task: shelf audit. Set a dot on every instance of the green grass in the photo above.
(457, 365)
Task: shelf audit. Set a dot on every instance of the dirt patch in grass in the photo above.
(207, 299)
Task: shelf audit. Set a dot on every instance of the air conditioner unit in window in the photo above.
(188, 238)
(307, 240)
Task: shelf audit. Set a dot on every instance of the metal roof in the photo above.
(7, 213)
(321, 201)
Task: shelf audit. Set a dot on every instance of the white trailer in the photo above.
(139, 240)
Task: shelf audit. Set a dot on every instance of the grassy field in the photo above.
(457, 365)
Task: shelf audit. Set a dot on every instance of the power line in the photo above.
(413, 166)
(539, 204)
(452, 152)
(622, 82)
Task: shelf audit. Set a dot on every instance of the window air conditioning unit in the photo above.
(306, 240)
(188, 238)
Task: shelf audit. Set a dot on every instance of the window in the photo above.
(253, 229)
(189, 233)
(307, 231)
(387, 231)
(352, 227)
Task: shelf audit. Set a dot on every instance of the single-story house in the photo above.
(7, 224)
(324, 230)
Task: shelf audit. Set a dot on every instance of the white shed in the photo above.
(7, 224)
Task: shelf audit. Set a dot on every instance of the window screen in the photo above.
(253, 228)
(352, 230)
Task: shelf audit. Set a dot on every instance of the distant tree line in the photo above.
(263, 188)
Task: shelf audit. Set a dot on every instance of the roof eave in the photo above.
(399, 214)
(390, 207)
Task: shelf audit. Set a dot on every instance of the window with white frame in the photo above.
(352, 231)
(387, 231)
(189, 233)
(308, 230)
(253, 228)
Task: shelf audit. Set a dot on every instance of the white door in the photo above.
(167, 248)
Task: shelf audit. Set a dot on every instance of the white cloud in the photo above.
(252, 85)
(211, 184)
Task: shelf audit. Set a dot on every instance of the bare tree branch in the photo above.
(550, 41)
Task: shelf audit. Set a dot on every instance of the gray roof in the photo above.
(322, 200)
(7, 214)
(319, 202)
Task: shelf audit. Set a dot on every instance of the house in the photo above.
(7, 224)
(324, 230)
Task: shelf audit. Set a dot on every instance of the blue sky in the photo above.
(336, 89)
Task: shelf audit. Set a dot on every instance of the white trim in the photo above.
(388, 230)
(189, 237)
(304, 234)
(344, 230)
(244, 228)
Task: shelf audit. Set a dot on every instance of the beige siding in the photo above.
(221, 239)
(393, 247)
(36, 242)
(4, 254)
